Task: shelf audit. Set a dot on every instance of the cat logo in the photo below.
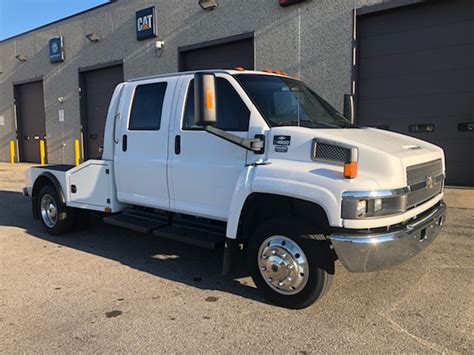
(145, 23)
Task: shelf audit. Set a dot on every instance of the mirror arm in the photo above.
(256, 144)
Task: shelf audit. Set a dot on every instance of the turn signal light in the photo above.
(209, 100)
(350, 170)
(239, 68)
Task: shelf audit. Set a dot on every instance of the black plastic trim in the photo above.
(231, 256)
(177, 144)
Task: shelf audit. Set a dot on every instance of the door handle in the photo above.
(116, 118)
(124, 143)
(177, 145)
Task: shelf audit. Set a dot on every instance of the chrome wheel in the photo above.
(49, 210)
(283, 265)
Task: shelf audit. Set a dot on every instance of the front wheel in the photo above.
(292, 267)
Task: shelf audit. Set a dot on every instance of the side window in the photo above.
(232, 113)
(147, 107)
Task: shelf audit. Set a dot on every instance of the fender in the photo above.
(263, 179)
(242, 190)
(40, 182)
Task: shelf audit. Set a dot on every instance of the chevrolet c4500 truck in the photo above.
(258, 163)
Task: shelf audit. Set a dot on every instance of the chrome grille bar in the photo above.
(426, 180)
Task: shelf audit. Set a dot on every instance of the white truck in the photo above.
(258, 163)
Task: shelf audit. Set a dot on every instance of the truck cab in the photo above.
(260, 164)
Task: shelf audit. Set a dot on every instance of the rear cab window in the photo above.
(147, 107)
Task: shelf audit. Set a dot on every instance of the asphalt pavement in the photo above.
(107, 290)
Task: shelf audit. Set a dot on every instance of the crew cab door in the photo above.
(204, 168)
(141, 153)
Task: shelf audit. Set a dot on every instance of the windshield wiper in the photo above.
(347, 124)
(310, 124)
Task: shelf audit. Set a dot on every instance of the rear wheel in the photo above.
(289, 264)
(55, 217)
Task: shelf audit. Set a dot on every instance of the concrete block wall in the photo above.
(311, 41)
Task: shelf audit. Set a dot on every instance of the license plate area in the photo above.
(432, 229)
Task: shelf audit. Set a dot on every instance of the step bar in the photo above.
(201, 233)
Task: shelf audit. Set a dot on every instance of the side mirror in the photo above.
(205, 101)
(349, 108)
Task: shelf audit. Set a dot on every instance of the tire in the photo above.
(55, 217)
(290, 266)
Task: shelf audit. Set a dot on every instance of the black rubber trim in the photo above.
(56, 185)
(231, 256)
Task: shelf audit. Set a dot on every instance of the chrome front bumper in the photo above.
(371, 252)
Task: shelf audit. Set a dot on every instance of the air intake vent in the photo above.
(333, 152)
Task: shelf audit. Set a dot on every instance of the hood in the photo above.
(381, 153)
(409, 149)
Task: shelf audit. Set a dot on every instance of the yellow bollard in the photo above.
(77, 151)
(12, 152)
(42, 152)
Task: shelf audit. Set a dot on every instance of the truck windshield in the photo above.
(289, 102)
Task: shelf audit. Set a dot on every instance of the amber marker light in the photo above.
(350, 170)
(209, 102)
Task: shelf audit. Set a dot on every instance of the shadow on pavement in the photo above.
(193, 266)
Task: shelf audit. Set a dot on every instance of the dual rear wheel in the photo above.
(55, 216)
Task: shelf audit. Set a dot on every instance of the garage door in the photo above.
(97, 87)
(416, 76)
(221, 54)
(31, 120)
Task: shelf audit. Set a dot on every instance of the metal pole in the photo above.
(42, 152)
(12, 151)
(77, 151)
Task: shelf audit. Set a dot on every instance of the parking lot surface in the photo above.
(104, 289)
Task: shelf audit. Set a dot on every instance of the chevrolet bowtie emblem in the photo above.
(429, 182)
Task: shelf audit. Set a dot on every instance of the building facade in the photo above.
(408, 64)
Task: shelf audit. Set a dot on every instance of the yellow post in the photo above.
(12, 152)
(42, 152)
(77, 151)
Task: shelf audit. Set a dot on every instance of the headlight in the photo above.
(378, 205)
(361, 208)
(357, 208)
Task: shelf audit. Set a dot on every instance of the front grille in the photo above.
(421, 173)
(331, 152)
